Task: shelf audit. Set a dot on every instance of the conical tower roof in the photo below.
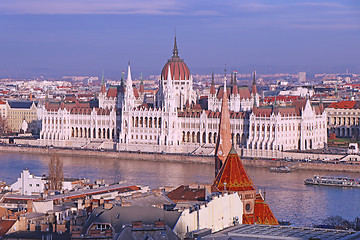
(223, 142)
(232, 175)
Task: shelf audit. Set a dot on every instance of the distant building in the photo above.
(302, 77)
(344, 119)
(19, 111)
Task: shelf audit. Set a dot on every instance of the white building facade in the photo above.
(176, 123)
(28, 184)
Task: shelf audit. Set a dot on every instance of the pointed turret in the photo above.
(223, 143)
(234, 87)
(175, 51)
(212, 87)
(169, 82)
(321, 105)
(129, 92)
(103, 85)
(253, 87)
(275, 107)
(141, 89)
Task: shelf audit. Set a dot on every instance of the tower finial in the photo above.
(225, 79)
(175, 51)
(254, 76)
(212, 79)
(102, 78)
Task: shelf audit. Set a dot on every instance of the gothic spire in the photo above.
(103, 87)
(212, 86)
(253, 88)
(175, 51)
(223, 141)
(235, 77)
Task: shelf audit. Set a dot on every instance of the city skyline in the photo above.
(78, 37)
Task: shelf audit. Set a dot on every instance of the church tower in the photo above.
(223, 142)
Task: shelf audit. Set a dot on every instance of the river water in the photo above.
(286, 194)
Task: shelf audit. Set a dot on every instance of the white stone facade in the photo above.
(28, 184)
(301, 127)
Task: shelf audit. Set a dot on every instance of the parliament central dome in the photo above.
(179, 69)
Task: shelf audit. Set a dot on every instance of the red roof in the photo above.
(343, 104)
(112, 92)
(262, 214)
(5, 225)
(232, 175)
(185, 193)
(178, 68)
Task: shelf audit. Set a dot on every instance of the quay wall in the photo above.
(176, 158)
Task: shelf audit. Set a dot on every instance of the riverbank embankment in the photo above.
(177, 158)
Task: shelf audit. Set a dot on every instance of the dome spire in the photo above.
(175, 51)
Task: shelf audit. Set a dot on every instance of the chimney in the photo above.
(108, 206)
(29, 206)
(137, 224)
(159, 224)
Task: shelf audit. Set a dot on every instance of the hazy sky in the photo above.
(62, 37)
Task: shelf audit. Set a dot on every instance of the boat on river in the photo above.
(281, 169)
(333, 181)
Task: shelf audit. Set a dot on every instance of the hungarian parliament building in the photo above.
(122, 119)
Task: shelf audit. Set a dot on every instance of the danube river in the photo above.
(288, 197)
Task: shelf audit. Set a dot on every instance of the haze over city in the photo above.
(87, 37)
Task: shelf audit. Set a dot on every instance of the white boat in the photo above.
(281, 169)
(333, 181)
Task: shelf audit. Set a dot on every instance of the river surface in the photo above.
(286, 194)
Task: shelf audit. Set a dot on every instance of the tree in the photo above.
(56, 174)
(3, 125)
(337, 222)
